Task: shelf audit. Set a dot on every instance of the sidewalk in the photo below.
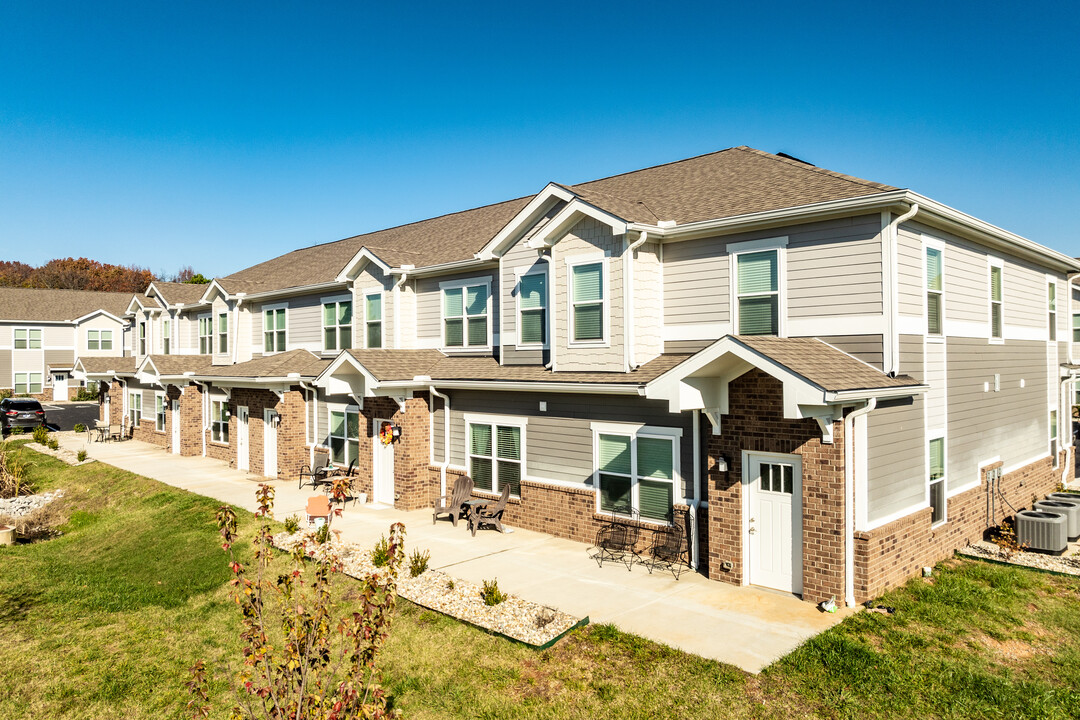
(747, 627)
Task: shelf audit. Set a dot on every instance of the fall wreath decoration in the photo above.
(386, 433)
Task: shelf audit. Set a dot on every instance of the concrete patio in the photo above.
(747, 627)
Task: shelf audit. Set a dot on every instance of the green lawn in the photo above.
(105, 620)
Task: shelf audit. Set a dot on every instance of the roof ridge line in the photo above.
(654, 167)
(815, 168)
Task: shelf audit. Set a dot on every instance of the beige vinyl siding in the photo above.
(100, 322)
(868, 348)
(909, 266)
(305, 323)
(911, 356)
(648, 303)
(218, 308)
(686, 346)
(518, 256)
(895, 459)
(967, 284)
(696, 282)
(559, 441)
(7, 378)
(370, 279)
(1024, 297)
(585, 240)
(1011, 423)
(834, 268)
(59, 358)
(429, 306)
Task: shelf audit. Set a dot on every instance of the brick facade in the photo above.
(190, 420)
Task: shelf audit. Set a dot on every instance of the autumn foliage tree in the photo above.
(76, 274)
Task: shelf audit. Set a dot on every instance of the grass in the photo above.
(104, 621)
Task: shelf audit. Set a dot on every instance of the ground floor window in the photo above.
(135, 408)
(495, 456)
(344, 436)
(635, 472)
(1054, 437)
(27, 383)
(219, 421)
(159, 413)
(937, 480)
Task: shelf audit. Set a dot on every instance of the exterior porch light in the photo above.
(721, 464)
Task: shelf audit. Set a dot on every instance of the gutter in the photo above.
(892, 317)
(583, 388)
(446, 438)
(444, 267)
(849, 499)
(550, 312)
(628, 301)
(315, 434)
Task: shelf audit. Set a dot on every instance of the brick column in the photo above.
(191, 421)
(292, 449)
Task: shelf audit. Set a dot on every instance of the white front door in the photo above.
(243, 456)
(270, 423)
(382, 466)
(773, 520)
(176, 427)
(59, 387)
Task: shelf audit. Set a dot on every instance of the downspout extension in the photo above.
(446, 438)
(550, 364)
(893, 364)
(628, 301)
(849, 500)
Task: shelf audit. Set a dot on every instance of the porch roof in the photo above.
(103, 368)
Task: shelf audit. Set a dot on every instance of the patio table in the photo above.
(474, 507)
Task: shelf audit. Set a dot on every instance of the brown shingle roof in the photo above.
(272, 366)
(175, 293)
(822, 364)
(97, 365)
(180, 364)
(398, 364)
(47, 305)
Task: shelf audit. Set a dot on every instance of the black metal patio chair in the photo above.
(671, 545)
(617, 541)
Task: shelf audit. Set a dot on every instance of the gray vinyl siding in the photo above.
(909, 267)
(911, 356)
(967, 284)
(686, 346)
(895, 459)
(513, 356)
(558, 442)
(305, 323)
(696, 282)
(1012, 423)
(868, 348)
(517, 257)
(429, 306)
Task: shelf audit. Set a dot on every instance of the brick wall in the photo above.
(191, 420)
(755, 423)
(887, 556)
(413, 486)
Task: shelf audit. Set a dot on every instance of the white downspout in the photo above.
(628, 301)
(202, 423)
(236, 327)
(315, 430)
(446, 438)
(397, 303)
(892, 361)
(849, 499)
(697, 489)
(550, 364)
(1064, 396)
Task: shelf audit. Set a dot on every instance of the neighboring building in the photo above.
(827, 374)
(43, 331)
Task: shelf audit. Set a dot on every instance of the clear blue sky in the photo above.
(220, 134)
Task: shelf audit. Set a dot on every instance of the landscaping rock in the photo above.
(26, 504)
(1069, 563)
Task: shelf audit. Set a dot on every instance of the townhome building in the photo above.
(824, 379)
(43, 331)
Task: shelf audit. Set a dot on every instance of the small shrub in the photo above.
(79, 427)
(81, 455)
(322, 535)
(41, 435)
(16, 431)
(52, 444)
(13, 479)
(4, 394)
(1005, 538)
(85, 395)
(380, 555)
(292, 524)
(450, 586)
(491, 593)
(418, 562)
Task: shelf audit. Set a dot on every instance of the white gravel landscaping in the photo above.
(519, 619)
(26, 504)
(71, 457)
(1068, 563)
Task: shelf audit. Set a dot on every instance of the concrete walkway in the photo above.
(747, 627)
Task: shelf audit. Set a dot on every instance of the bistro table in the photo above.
(474, 507)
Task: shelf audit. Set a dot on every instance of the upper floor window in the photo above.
(1051, 298)
(465, 316)
(588, 301)
(1076, 328)
(206, 335)
(274, 330)
(142, 338)
(995, 302)
(758, 289)
(27, 339)
(166, 337)
(337, 325)
(934, 288)
(223, 333)
(636, 471)
(373, 320)
(532, 309)
(495, 456)
(99, 339)
(937, 480)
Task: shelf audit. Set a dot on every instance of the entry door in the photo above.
(176, 427)
(382, 464)
(59, 388)
(270, 425)
(773, 526)
(243, 455)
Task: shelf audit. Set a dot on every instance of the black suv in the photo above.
(21, 413)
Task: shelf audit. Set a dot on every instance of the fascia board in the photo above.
(95, 313)
(445, 268)
(293, 291)
(208, 294)
(345, 357)
(569, 215)
(840, 396)
(520, 386)
(525, 219)
(361, 255)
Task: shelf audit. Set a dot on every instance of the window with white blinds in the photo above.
(465, 316)
(758, 290)
(344, 436)
(532, 309)
(587, 300)
(1051, 301)
(636, 474)
(937, 480)
(935, 284)
(496, 457)
(373, 320)
(995, 302)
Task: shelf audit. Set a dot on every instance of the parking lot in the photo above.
(64, 416)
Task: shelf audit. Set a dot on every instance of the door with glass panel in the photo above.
(773, 537)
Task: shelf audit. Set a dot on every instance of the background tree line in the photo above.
(87, 274)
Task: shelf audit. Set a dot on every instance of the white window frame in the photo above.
(206, 320)
(930, 243)
(995, 262)
(100, 337)
(932, 436)
(634, 431)
(219, 335)
(1075, 327)
(28, 384)
(605, 284)
(219, 420)
(142, 336)
(1053, 436)
(1052, 310)
(161, 407)
(134, 408)
(749, 247)
(262, 323)
(28, 339)
(334, 300)
(520, 273)
(521, 423)
(382, 315)
(166, 336)
(488, 314)
(360, 432)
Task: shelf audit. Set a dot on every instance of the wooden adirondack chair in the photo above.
(492, 514)
(452, 503)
